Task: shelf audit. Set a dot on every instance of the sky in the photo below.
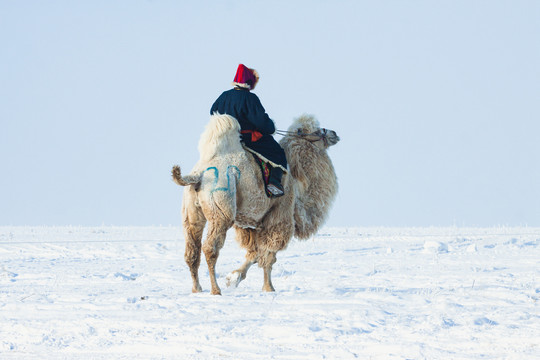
(437, 104)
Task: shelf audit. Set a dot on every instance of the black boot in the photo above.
(274, 183)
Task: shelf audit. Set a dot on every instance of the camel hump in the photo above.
(221, 136)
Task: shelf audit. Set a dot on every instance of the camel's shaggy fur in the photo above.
(315, 179)
(226, 189)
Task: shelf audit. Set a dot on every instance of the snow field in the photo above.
(380, 293)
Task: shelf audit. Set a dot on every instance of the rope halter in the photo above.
(315, 136)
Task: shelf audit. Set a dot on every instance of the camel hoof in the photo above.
(233, 279)
(269, 288)
(216, 292)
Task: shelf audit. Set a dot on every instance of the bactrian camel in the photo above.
(225, 189)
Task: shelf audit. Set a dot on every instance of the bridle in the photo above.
(315, 136)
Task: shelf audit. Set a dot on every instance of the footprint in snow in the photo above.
(8, 275)
(485, 321)
(130, 277)
(435, 247)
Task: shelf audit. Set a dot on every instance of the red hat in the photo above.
(246, 77)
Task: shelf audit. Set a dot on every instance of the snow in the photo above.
(366, 293)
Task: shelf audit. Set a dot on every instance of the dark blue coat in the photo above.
(248, 110)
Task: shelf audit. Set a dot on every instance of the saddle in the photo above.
(266, 169)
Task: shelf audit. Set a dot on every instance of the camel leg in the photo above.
(192, 255)
(266, 261)
(247, 240)
(211, 247)
(274, 237)
(236, 276)
(193, 232)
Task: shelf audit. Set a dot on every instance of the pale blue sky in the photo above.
(437, 104)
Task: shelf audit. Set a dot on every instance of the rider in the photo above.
(256, 126)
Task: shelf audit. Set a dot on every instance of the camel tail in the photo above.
(185, 180)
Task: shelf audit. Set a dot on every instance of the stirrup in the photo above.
(276, 191)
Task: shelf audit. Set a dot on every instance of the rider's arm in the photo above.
(258, 116)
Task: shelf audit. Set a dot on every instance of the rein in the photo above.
(311, 137)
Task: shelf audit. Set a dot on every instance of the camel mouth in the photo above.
(332, 137)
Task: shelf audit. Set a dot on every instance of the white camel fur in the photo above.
(226, 189)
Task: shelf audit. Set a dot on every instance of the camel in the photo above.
(225, 189)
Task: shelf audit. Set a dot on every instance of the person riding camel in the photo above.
(256, 126)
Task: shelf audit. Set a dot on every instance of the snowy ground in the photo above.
(366, 293)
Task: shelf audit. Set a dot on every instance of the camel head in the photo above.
(308, 128)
